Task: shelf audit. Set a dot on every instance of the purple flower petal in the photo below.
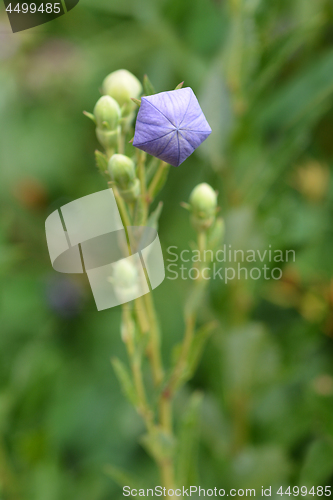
(170, 125)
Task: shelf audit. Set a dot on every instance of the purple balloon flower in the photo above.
(170, 125)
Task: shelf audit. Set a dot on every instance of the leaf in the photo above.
(148, 86)
(154, 216)
(121, 477)
(194, 300)
(179, 86)
(137, 101)
(151, 169)
(216, 234)
(90, 115)
(195, 353)
(299, 97)
(187, 450)
(159, 179)
(197, 347)
(260, 466)
(250, 359)
(318, 464)
(101, 161)
(125, 380)
(159, 444)
(215, 101)
(140, 212)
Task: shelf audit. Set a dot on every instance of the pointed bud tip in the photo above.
(179, 86)
(90, 116)
(136, 101)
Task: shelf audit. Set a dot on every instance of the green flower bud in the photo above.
(125, 275)
(107, 113)
(125, 279)
(203, 206)
(122, 85)
(132, 193)
(122, 171)
(107, 116)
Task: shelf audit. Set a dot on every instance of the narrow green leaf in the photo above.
(148, 86)
(195, 353)
(139, 212)
(318, 464)
(179, 86)
(101, 161)
(90, 116)
(121, 477)
(159, 180)
(194, 300)
(159, 444)
(297, 99)
(137, 101)
(216, 234)
(197, 347)
(187, 451)
(125, 380)
(151, 169)
(154, 216)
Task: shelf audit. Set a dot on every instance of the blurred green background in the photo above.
(263, 72)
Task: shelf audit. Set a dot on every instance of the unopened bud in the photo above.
(122, 171)
(107, 113)
(107, 116)
(122, 85)
(125, 279)
(203, 206)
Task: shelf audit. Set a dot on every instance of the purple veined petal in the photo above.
(149, 133)
(173, 104)
(160, 146)
(194, 118)
(150, 124)
(170, 125)
(171, 152)
(186, 147)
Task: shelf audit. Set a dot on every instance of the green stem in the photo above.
(154, 347)
(167, 475)
(141, 170)
(135, 361)
(182, 360)
(125, 217)
(156, 179)
(121, 143)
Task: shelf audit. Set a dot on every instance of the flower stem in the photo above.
(155, 341)
(141, 171)
(156, 179)
(182, 360)
(135, 361)
(167, 474)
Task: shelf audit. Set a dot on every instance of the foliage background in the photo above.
(263, 72)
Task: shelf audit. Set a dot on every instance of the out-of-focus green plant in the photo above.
(135, 186)
(263, 74)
